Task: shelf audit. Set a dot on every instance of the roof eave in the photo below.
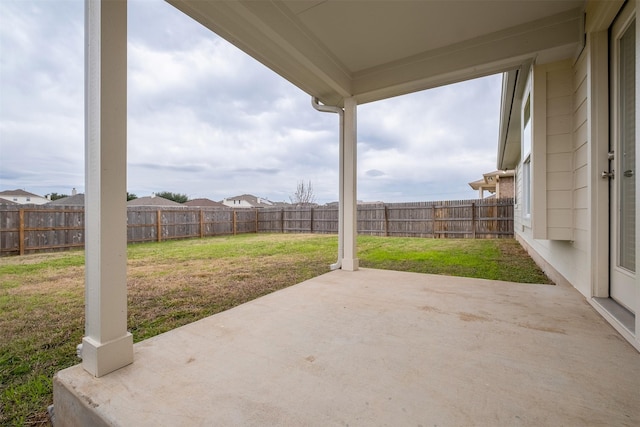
(509, 80)
(269, 32)
(513, 86)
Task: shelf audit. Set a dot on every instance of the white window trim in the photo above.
(527, 158)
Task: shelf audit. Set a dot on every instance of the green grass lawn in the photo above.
(174, 283)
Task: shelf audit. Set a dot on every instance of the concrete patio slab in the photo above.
(374, 347)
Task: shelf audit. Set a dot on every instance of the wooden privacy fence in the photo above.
(43, 228)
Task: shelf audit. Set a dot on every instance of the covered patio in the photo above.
(375, 347)
(352, 347)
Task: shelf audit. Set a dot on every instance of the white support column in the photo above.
(107, 345)
(350, 260)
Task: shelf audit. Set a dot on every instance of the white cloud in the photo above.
(207, 120)
(429, 144)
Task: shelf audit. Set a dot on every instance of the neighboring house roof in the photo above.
(480, 183)
(22, 197)
(204, 202)
(17, 193)
(250, 199)
(152, 201)
(490, 180)
(75, 200)
(4, 201)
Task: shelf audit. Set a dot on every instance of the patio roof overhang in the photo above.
(344, 53)
(372, 50)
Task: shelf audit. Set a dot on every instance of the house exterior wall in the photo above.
(237, 203)
(505, 187)
(559, 147)
(580, 191)
(568, 230)
(563, 173)
(26, 200)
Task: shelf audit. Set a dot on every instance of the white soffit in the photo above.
(371, 33)
(378, 49)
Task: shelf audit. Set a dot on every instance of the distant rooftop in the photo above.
(152, 201)
(204, 202)
(75, 200)
(17, 193)
(7, 202)
(250, 199)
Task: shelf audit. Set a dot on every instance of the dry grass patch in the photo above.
(174, 283)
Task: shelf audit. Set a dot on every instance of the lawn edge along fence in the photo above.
(29, 229)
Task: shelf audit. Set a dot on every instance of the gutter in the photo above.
(509, 79)
(331, 109)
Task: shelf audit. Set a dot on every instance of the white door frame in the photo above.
(622, 280)
(598, 99)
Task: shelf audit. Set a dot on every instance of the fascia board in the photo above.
(509, 79)
(509, 143)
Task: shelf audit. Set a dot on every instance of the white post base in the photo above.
(350, 264)
(102, 359)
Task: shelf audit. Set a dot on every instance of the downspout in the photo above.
(340, 112)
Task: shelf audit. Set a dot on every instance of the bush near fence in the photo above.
(47, 228)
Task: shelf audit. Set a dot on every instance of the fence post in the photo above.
(311, 222)
(201, 223)
(256, 220)
(21, 232)
(234, 220)
(473, 219)
(386, 220)
(496, 226)
(433, 220)
(282, 221)
(159, 225)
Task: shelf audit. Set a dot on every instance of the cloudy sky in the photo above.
(206, 120)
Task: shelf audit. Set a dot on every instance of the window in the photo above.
(526, 159)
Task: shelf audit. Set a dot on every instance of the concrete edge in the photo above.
(71, 409)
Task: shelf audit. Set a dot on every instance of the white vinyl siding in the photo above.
(582, 260)
(581, 153)
(564, 240)
(553, 94)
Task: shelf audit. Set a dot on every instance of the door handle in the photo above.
(609, 175)
(628, 173)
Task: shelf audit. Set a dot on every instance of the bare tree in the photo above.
(304, 195)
